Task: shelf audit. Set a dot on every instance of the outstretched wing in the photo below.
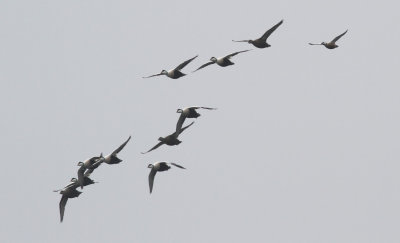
(153, 75)
(241, 40)
(201, 107)
(157, 145)
(338, 37)
(180, 122)
(234, 54)
(176, 134)
(152, 174)
(62, 204)
(265, 36)
(183, 64)
(121, 147)
(203, 66)
(179, 166)
(208, 108)
(81, 175)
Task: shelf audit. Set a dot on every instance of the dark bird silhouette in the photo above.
(113, 157)
(332, 43)
(189, 112)
(262, 41)
(170, 140)
(159, 166)
(174, 73)
(221, 61)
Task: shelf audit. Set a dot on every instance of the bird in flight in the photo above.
(112, 158)
(159, 166)
(70, 191)
(262, 41)
(189, 112)
(332, 43)
(174, 73)
(221, 61)
(170, 140)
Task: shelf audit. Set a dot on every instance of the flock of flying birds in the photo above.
(87, 167)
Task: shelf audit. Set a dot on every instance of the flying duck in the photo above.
(221, 61)
(174, 73)
(332, 44)
(170, 140)
(159, 166)
(189, 112)
(112, 158)
(88, 166)
(262, 41)
(68, 191)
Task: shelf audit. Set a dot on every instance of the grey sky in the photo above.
(304, 146)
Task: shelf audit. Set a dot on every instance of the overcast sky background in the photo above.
(304, 146)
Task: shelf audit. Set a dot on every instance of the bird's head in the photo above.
(161, 139)
(150, 166)
(179, 111)
(213, 59)
(165, 72)
(74, 179)
(80, 163)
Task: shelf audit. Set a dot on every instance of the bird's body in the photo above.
(86, 180)
(161, 166)
(262, 41)
(158, 167)
(259, 43)
(221, 61)
(174, 73)
(190, 112)
(170, 140)
(224, 62)
(332, 44)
